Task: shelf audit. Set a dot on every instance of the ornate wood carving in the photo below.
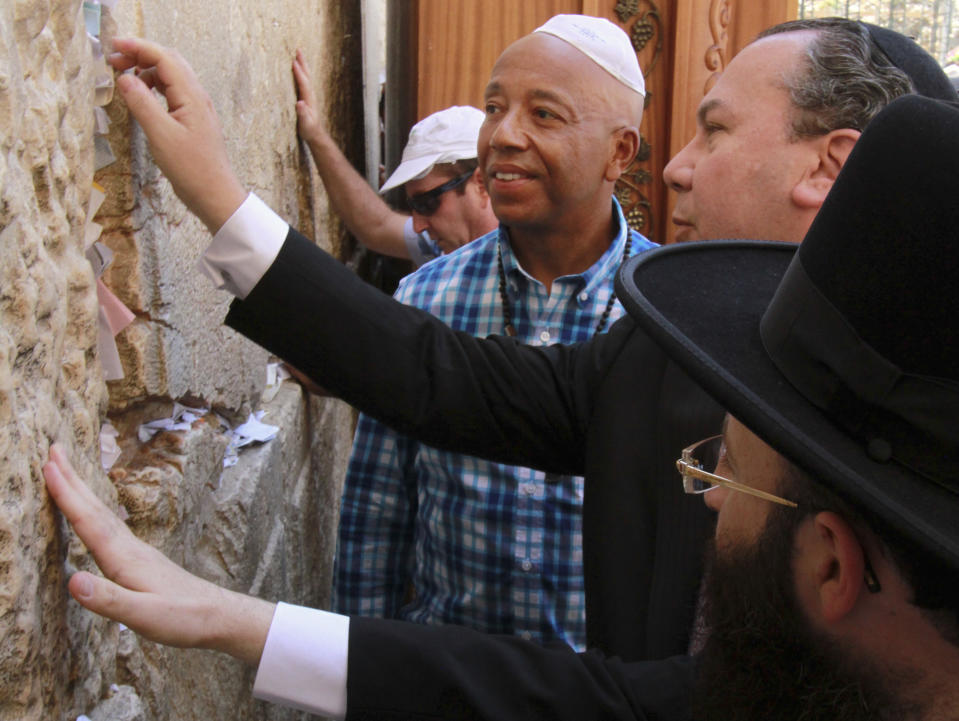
(625, 9)
(715, 57)
(643, 26)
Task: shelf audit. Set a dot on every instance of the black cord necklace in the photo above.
(508, 326)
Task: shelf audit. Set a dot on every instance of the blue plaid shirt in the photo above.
(481, 544)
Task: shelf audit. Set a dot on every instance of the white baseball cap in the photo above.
(443, 137)
(603, 42)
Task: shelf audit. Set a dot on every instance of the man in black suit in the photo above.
(758, 155)
(834, 587)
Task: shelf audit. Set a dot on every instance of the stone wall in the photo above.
(265, 525)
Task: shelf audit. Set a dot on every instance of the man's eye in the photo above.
(491, 109)
(543, 114)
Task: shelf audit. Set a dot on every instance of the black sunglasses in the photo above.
(427, 203)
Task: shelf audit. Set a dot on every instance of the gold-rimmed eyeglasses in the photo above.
(692, 466)
(698, 457)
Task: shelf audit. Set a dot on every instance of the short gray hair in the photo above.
(846, 79)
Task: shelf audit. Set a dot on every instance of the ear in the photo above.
(476, 186)
(830, 567)
(480, 187)
(832, 149)
(623, 144)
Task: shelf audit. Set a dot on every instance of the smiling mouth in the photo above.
(508, 176)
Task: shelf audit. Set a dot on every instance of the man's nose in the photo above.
(420, 222)
(716, 497)
(508, 132)
(678, 172)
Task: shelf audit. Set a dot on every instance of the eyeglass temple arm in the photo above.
(687, 469)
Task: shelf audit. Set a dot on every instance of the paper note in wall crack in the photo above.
(182, 419)
(109, 448)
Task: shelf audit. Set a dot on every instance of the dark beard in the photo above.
(762, 659)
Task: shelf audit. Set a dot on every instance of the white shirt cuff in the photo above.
(304, 661)
(244, 248)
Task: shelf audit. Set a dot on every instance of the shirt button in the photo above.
(529, 489)
(526, 636)
(584, 296)
(544, 336)
(526, 565)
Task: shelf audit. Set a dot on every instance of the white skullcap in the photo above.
(443, 137)
(603, 42)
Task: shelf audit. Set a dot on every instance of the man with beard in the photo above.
(763, 647)
(835, 588)
(786, 112)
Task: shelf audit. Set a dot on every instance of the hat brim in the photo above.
(409, 170)
(703, 302)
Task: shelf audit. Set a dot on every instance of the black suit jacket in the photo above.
(402, 671)
(614, 410)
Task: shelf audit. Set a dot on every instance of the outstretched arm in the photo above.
(145, 590)
(493, 398)
(488, 397)
(372, 221)
(399, 670)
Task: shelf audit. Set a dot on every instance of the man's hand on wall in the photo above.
(185, 137)
(145, 590)
(308, 123)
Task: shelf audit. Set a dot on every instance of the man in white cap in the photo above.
(448, 203)
(438, 537)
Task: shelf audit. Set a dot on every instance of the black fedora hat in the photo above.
(842, 354)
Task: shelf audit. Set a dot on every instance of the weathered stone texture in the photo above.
(242, 54)
(49, 383)
(261, 527)
(122, 705)
(267, 525)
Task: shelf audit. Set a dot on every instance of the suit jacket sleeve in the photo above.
(494, 397)
(407, 671)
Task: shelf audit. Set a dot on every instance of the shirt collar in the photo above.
(597, 274)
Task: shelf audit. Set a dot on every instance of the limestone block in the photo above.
(123, 705)
(251, 519)
(252, 527)
(175, 684)
(164, 486)
(246, 70)
(53, 661)
(265, 526)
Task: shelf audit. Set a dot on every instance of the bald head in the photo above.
(589, 86)
(607, 45)
(559, 131)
